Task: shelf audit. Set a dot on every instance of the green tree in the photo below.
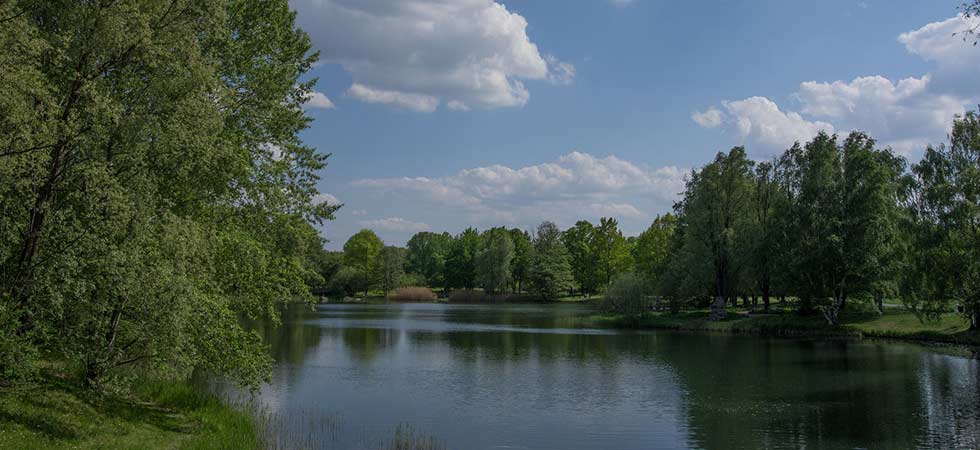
(362, 252)
(712, 214)
(520, 265)
(460, 268)
(152, 181)
(652, 249)
(611, 250)
(391, 267)
(427, 253)
(578, 241)
(767, 211)
(551, 269)
(845, 211)
(493, 260)
(947, 214)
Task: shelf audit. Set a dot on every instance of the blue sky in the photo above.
(442, 114)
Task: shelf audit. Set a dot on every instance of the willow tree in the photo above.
(493, 259)
(948, 225)
(713, 214)
(152, 181)
(845, 200)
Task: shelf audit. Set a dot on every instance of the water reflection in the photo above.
(523, 376)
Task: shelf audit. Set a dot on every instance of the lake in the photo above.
(480, 377)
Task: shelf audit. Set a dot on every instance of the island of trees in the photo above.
(827, 223)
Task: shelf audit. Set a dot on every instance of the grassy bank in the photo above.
(893, 324)
(56, 412)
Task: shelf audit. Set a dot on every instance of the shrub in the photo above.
(627, 295)
(412, 294)
(468, 296)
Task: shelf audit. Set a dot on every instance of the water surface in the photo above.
(482, 377)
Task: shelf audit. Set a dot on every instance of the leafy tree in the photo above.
(652, 249)
(845, 202)
(947, 214)
(391, 266)
(152, 181)
(520, 265)
(427, 253)
(551, 270)
(493, 260)
(767, 211)
(362, 252)
(578, 241)
(971, 10)
(611, 250)
(712, 215)
(460, 269)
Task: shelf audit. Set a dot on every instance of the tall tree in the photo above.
(652, 248)
(766, 209)
(611, 250)
(493, 260)
(948, 222)
(363, 253)
(391, 267)
(427, 253)
(712, 212)
(578, 241)
(551, 270)
(520, 265)
(153, 183)
(845, 202)
(460, 268)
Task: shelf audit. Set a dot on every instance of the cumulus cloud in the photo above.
(759, 123)
(576, 185)
(906, 114)
(416, 102)
(418, 54)
(397, 224)
(318, 100)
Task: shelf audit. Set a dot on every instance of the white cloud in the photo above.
(712, 118)
(325, 197)
(416, 102)
(906, 114)
(576, 185)
(759, 123)
(318, 100)
(421, 53)
(397, 224)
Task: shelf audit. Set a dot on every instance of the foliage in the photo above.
(362, 253)
(460, 269)
(652, 248)
(712, 216)
(627, 295)
(611, 250)
(521, 264)
(845, 211)
(427, 253)
(152, 181)
(578, 241)
(412, 294)
(391, 266)
(551, 270)
(947, 225)
(493, 259)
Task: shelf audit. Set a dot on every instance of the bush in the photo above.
(627, 295)
(412, 294)
(468, 296)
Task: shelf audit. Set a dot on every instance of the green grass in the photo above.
(56, 412)
(893, 324)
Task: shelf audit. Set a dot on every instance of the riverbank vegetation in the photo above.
(832, 222)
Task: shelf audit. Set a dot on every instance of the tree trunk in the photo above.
(765, 296)
(975, 321)
(880, 302)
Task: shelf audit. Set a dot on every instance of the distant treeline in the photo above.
(828, 222)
